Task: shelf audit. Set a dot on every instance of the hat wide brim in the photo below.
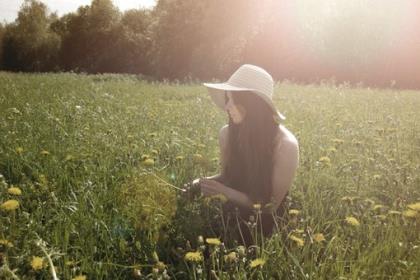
(216, 91)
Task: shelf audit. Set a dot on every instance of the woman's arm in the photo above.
(212, 187)
(286, 161)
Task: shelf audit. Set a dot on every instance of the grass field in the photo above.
(89, 168)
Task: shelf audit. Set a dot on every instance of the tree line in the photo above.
(196, 39)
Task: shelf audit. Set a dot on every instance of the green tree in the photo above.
(29, 43)
(2, 31)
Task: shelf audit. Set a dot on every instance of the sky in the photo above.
(10, 8)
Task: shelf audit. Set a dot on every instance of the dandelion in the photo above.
(325, 160)
(79, 277)
(193, 256)
(257, 263)
(42, 179)
(352, 221)
(69, 157)
(160, 266)
(294, 212)
(381, 217)
(394, 212)
(179, 158)
(368, 200)
(241, 251)
(149, 162)
(6, 243)
(414, 206)
(213, 241)
(410, 213)
(257, 206)
(299, 241)
(338, 141)
(37, 263)
(197, 157)
(376, 177)
(44, 153)
(319, 237)
(348, 198)
(10, 205)
(231, 257)
(14, 191)
(378, 206)
(331, 150)
(19, 150)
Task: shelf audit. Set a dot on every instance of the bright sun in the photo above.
(355, 32)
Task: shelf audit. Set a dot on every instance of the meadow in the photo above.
(91, 165)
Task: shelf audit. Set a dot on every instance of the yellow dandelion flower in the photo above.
(347, 198)
(257, 263)
(299, 241)
(213, 241)
(410, 213)
(44, 153)
(319, 237)
(193, 256)
(197, 157)
(294, 212)
(14, 191)
(298, 230)
(69, 157)
(37, 263)
(42, 179)
(382, 217)
(352, 221)
(6, 243)
(325, 160)
(331, 150)
(378, 206)
(338, 141)
(79, 277)
(149, 162)
(241, 251)
(179, 158)
(19, 150)
(394, 212)
(257, 206)
(231, 257)
(10, 205)
(414, 206)
(160, 266)
(368, 200)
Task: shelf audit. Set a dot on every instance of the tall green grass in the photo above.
(98, 158)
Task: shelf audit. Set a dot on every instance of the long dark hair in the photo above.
(249, 160)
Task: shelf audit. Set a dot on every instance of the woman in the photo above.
(259, 156)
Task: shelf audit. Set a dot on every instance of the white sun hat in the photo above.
(248, 77)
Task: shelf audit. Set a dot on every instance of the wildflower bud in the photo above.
(200, 240)
(188, 246)
(155, 257)
(241, 251)
(137, 273)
